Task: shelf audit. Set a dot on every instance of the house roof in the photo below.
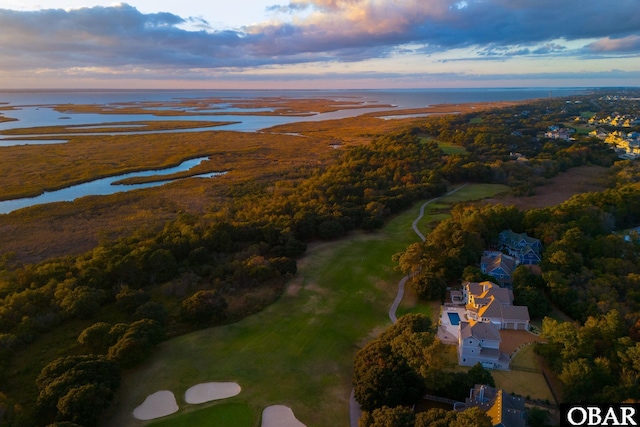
(483, 291)
(512, 238)
(490, 354)
(504, 409)
(516, 312)
(505, 262)
(505, 312)
(479, 330)
(492, 301)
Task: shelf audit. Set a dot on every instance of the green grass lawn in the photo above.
(231, 414)
(527, 384)
(447, 147)
(450, 148)
(439, 210)
(300, 350)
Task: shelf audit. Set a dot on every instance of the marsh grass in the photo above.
(115, 127)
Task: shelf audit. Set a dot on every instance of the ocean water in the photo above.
(35, 108)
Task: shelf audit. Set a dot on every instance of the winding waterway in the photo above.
(37, 108)
(104, 186)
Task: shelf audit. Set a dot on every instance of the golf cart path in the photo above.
(403, 281)
(354, 406)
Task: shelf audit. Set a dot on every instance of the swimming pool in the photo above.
(454, 318)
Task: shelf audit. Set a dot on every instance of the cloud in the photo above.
(319, 30)
(619, 45)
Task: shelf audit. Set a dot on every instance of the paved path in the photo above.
(354, 407)
(394, 306)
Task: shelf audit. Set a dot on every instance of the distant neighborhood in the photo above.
(626, 144)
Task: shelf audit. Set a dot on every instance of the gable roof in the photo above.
(503, 409)
(495, 302)
(483, 291)
(479, 330)
(498, 311)
(500, 261)
(514, 240)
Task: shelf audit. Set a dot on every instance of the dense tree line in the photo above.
(394, 371)
(455, 244)
(161, 282)
(492, 138)
(590, 268)
(596, 361)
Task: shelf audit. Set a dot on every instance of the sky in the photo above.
(318, 44)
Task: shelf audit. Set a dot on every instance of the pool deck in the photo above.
(448, 333)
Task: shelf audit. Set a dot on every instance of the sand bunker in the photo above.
(156, 405)
(279, 416)
(207, 392)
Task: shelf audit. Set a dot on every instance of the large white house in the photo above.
(488, 302)
(479, 342)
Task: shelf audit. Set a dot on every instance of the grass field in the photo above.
(448, 147)
(299, 351)
(232, 414)
(437, 211)
(527, 384)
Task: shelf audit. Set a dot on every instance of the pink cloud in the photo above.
(624, 44)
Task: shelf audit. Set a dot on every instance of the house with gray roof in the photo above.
(479, 342)
(499, 266)
(490, 303)
(526, 250)
(504, 409)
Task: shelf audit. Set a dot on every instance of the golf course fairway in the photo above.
(297, 352)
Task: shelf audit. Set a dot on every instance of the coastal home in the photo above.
(504, 409)
(499, 266)
(526, 250)
(490, 303)
(479, 342)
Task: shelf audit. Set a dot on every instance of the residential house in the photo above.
(479, 342)
(504, 409)
(499, 266)
(490, 303)
(525, 249)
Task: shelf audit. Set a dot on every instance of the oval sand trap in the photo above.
(279, 416)
(156, 405)
(207, 392)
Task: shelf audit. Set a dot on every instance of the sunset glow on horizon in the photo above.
(318, 44)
